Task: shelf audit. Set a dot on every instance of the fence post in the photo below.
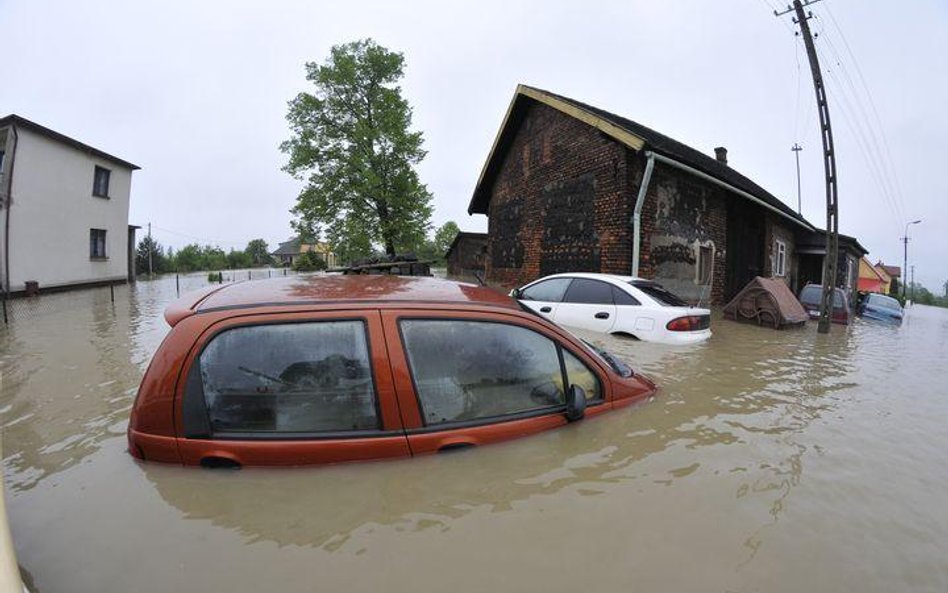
(177, 285)
(268, 273)
(220, 277)
(112, 290)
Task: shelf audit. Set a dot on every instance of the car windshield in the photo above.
(880, 300)
(659, 293)
(813, 295)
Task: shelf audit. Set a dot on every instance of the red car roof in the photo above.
(318, 289)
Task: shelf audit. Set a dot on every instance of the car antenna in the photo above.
(701, 295)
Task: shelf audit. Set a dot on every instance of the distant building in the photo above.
(895, 276)
(289, 251)
(570, 187)
(63, 211)
(872, 279)
(466, 255)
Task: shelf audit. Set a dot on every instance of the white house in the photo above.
(63, 210)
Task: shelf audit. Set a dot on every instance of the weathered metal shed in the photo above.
(766, 301)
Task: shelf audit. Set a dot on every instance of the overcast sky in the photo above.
(196, 93)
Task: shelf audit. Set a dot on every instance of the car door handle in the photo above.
(602, 315)
(545, 309)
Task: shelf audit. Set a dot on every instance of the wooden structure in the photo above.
(398, 267)
(766, 301)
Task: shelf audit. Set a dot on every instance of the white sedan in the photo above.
(616, 305)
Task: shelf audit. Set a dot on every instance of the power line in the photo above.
(194, 238)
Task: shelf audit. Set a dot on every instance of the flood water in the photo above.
(769, 461)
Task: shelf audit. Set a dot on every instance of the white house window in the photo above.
(780, 259)
(97, 244)
(705, 264)
(100, 183)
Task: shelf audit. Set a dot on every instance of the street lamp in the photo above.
(905, 255)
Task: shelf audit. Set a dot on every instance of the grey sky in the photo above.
(195, 93)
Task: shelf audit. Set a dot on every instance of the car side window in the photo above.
(584, 290)
(550, 291)
(621, 297)
(471, 370)
(577, 373)
(289, 378)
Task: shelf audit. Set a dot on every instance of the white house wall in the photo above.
(53, 211)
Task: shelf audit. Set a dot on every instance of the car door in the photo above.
(545, 296)
(466, 378)
(631, 317)
(588, 304)
(290, 389)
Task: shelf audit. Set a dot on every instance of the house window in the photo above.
(100, 183)
(705, 264)
(780, 259)
(97, 244)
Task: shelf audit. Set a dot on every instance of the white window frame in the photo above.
(780, 258)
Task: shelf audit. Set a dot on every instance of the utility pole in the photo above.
(796, 152)
(913, 284)
(829, 164)
(905, 240)
(150, 244)
(946, 289)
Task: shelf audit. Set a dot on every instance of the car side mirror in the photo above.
(515, 293)
(575, 403)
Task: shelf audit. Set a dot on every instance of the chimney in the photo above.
(720, 153)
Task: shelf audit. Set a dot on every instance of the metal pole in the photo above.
(913, 283)
(112, 290)
(829, 165)
(150, 245)
(177, 284)
(796, 152)
(905, 240)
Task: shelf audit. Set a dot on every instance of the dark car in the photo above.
(324, 369)
(882, 308)
(810, 298)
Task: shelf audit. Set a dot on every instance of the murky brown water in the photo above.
(769, 462)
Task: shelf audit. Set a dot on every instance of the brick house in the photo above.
(569, 187)
(465, 256)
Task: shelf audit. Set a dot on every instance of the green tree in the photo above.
(309, 261)
(258, 251)
(189, 258)
(159, 262)
(352, 146)
(444, 236)
(239, 259)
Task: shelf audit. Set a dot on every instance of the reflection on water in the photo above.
(768, 461)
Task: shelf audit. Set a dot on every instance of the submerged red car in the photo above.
(325, 369)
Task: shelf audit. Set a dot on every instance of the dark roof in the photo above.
(26, 124)
(466, 236)
(892, 271)
(815, 242)
(654, 141)
(291, 247)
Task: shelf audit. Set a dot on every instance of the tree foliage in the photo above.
(159, 261)
(309, 261)
(352, 146)
(258, 252)
(444, 236)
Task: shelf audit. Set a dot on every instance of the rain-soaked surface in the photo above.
(770, 461)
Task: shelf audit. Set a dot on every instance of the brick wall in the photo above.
(559, 203)
(682, 214)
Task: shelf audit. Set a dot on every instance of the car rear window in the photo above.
(879, 300)
(812, 295)
(289, 378)
(659, 293)
(471, 370)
